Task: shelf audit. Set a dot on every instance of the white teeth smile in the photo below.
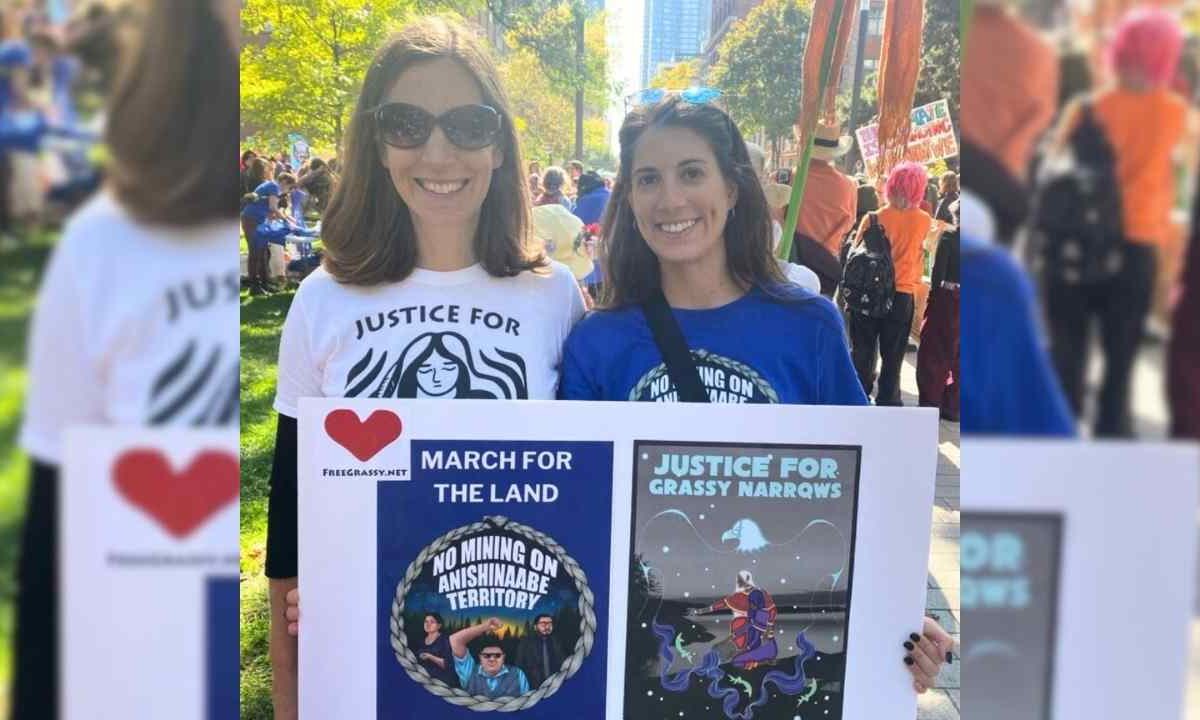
(677, 227)
(442, 188)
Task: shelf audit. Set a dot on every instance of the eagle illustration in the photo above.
(748, 534)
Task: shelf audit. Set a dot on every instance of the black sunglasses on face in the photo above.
(470, 127)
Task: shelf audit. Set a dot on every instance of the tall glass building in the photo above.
(673, 30)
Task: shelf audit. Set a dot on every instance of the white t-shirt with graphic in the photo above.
(459, 334)
(135, 324)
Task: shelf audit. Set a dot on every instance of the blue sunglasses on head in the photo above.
(694, 95)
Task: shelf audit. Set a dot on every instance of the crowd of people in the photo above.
(1077, 193)
(55, 73)
(277, 201)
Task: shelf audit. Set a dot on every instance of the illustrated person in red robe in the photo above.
(753, 628)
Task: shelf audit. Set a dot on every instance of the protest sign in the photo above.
(931, 137)
(300, 149)
(1059, 556)
(149, 574)
(608, 560)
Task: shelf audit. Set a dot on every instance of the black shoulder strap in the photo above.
(671, 343)
(1087, 116)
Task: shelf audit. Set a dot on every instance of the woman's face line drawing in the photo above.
(438, 375)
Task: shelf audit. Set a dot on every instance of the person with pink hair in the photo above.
(1144, 122)
(906, 225)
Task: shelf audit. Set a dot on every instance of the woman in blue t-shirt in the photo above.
(688, 216)
(688, 219)
(263, 206)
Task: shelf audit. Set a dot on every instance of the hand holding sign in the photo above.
(292, 611)
(926, 654)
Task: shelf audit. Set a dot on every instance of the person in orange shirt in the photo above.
(906, 226)
(827, 211)
(1144, 122)
(1010, 78)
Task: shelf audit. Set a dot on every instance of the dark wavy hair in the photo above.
(437, 618)
(367, 231)
(631, 267)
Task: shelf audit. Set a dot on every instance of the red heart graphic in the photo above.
(363, 439)
(179, 502)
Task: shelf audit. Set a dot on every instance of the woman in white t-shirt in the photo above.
(136, 321)
(428, 288)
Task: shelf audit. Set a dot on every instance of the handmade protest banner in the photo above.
(300, 149)
(1058, 549)
(609, 560)
(149, 574)
(930, 138)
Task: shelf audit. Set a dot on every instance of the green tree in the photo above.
(759, 65)
(568, 41)
(680, 76)
(544, 114)
(303, 61)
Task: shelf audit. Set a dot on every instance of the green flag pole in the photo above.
(800, 178)
(966, 8)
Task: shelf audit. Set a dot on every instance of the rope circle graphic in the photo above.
(760, 382)
(481, 703)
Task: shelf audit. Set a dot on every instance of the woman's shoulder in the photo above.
(801, 305)
(320, 287)
(102, 228)
(604, 324)
(553, 277)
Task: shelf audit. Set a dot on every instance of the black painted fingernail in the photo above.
(949, 656)
(908, 660)
(915, 637)
(908, 645)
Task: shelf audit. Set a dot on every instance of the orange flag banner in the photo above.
(845, 30)
(900, 64)
(812, 105)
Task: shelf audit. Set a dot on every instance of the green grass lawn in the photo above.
(262, 321)
(20, 270)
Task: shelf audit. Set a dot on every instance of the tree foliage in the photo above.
(303, 61)
(545, 115)
(539, 72)
(548, 30)
(759, 66)
(680, 76)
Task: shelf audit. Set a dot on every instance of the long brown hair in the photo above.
(368, 232)
(173, 122)
(631, 267)
(256, 172)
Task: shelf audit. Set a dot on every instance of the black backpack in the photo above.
(869, 278)
(1076, 229)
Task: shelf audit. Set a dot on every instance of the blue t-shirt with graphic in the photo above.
(757, 349)
(259, 209)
